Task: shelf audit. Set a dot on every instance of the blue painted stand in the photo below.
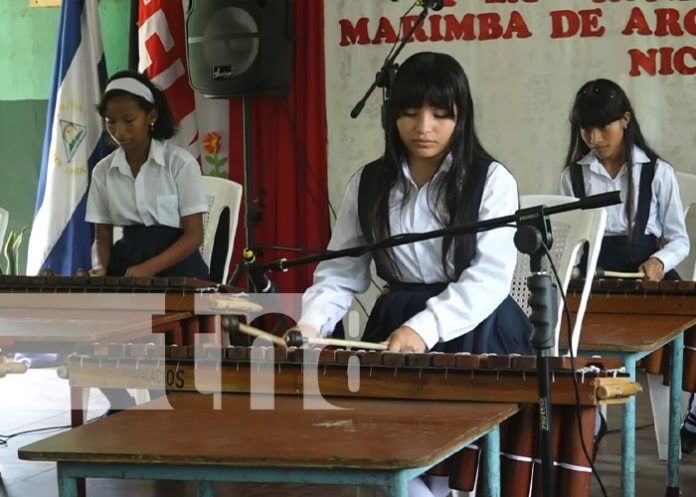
(628, 439)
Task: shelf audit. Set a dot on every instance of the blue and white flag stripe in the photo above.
(74, 142)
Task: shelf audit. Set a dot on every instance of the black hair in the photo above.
(165, 126)
(598, 103)
(438, 80)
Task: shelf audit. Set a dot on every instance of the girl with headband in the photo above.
(149, 187)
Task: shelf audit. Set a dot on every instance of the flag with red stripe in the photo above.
(203, 123)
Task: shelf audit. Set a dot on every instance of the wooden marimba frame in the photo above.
(179, 294)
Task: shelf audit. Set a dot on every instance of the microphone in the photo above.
(259, 281)
(431, 4)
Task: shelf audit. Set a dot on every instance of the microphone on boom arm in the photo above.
(429, 4)
(260, 283)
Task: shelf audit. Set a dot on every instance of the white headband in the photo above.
(131, 85)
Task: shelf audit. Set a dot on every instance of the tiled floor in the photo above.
(39, 399)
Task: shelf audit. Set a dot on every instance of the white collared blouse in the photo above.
(167, 188)
(465, 303)
(666, 217)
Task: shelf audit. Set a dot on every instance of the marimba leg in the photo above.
(464, 467)
(574, 475)
(517, 452)
(652, 363)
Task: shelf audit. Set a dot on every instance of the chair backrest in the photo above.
(4, 218)
(222, 194)
(570, 231)
(687, 192)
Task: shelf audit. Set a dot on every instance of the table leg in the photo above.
(77, 418)
(675, 387)
(67, 485)
(490, 477)
(628, 437)
(398, 485)
(205, 488)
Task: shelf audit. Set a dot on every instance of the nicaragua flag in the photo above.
(74, 141)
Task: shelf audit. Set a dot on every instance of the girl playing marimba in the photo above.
(449, 294)
(150, 187)
(608, 152)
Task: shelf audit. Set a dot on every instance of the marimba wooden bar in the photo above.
(179, 293)
(486, 378)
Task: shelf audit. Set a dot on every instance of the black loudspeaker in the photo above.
(239, 48)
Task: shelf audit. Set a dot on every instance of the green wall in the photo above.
(28, 39)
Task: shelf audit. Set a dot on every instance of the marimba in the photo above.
(346, 373)
(652, 298)
(632, 319)
(54, 313)
(263, 371)
(180, 293)
(112, 293)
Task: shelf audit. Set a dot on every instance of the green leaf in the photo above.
(7, 251)
(11, 248)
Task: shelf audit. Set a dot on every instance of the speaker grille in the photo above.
(232, 42)
(240, 47)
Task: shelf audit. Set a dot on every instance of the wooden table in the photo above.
(632, 335)
(361, 442)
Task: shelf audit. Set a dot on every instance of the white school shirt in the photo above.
(167, 187)
(465, 303)
(666, 218)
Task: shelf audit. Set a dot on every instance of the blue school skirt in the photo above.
(506, 331)
(140, 243)
(617, 254)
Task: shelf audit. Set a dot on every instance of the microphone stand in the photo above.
(533, 230)
(589, 202)
(386, 74)
(533, 233)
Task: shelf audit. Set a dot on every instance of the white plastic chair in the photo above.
(4, 218)
(570, 231)
(222, 194)
(687, 192)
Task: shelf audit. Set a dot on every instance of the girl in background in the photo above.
(646, 232)
(608, 152)
(148, 186)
